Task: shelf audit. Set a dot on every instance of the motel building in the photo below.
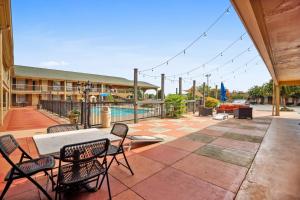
(32, 84)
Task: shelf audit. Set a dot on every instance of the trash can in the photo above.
(105, 116)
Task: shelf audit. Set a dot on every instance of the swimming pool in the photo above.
(118, 111)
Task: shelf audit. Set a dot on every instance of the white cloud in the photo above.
(53, 63)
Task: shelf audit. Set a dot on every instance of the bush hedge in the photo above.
(211, 102)
(175, 105)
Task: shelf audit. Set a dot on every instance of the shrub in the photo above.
(211, 102)
(110, 98)
(286, 109)
(74, 112)
(175, 105)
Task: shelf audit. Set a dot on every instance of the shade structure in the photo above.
(223, 92)
(104, 94)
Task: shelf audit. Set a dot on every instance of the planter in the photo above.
(73, 118)
(203, 111)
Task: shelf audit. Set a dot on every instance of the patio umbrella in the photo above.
(223, 93)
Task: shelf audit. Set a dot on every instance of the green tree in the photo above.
(255, 92)
(267, 89)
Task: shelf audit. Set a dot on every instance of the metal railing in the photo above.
(49, 88)
(120, 111)
(26, 87)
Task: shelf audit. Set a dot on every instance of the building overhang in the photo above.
(274, 27)
(6, 28)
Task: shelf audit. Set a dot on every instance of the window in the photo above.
(69, 86)
(20, 98)
(20, 84)
(56, 97)
(56, 85)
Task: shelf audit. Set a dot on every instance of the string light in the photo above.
(204, 34)
(213, 58)
(228, 62)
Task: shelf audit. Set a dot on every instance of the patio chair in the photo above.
(62, 128)
(23, 169)
(120, 130)
(81, 166)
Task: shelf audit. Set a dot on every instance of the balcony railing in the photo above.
(26, 87)
(46, 88)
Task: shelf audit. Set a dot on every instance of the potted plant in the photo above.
(210, 104)
(73, 116)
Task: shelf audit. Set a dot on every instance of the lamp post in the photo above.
(85, 90)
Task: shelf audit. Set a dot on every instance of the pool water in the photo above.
(117, 111)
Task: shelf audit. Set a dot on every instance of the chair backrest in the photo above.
(120, 130)
(8, 144)
(81, 152)
(62, 128)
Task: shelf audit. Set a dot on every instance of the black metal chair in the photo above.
(120, 130)
(62, 128)
(81, 166)
(23, 169)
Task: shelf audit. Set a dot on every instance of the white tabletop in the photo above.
(53, 142)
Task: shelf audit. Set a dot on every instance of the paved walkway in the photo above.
(25, 119)
(275, 173)
(201, 159)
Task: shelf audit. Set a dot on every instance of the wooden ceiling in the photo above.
(6, 26)
(274, 26)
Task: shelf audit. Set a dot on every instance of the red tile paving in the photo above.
(143, 168)
(128, 195)
(165, 154)
(172, 184)
(171, 170)
(222, 174)
(25, 119)
(186, 144)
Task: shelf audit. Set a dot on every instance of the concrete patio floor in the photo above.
(201, 159)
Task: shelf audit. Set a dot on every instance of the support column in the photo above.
(273, 99)
(162, 94)
(9, 89)
(102, 90)
(1, 77)
(65, 91)
(203, 94)
(135, 94)
(176, 90)
(277, 102)
(180, 85)
(6, 101)
(194, 96)
(216, 92)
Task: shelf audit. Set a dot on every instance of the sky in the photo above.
(112, 37)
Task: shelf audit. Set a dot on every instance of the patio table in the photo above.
(52, 143)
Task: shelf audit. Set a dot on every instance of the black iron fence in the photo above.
(119, 111)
